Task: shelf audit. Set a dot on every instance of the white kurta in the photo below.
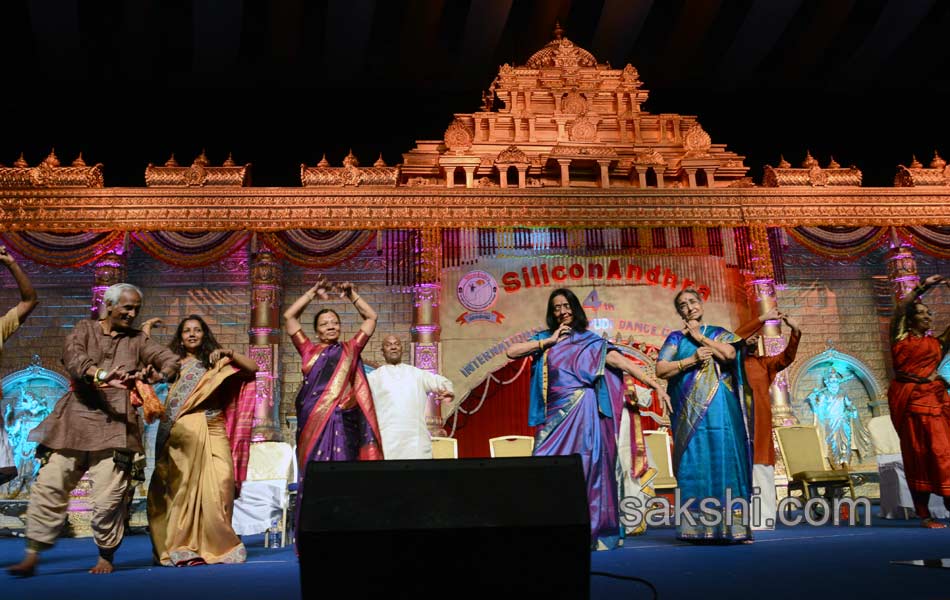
(399, 394)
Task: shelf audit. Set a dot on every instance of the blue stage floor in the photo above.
(792, 562)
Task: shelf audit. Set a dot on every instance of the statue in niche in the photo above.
(19, 419)
(837, 419)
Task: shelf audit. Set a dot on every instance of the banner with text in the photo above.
(490, 305)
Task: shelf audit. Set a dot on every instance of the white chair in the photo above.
(511, 445)
(265, 496)
(445, 447)
(896, 501)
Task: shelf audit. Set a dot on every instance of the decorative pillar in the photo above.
(426, 331)
(691, 174)
(264, 342)
(110, 269)
(565, 171)
(762, 283)
(901, 267)
(502, 175)
(604, 173)
(469, 176)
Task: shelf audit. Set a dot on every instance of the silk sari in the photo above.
(336, 419)
(199, 466)
(712, 452)
(920, 411)
(578, 403)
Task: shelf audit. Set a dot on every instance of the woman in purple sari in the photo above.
(336, 420)
(577, 396)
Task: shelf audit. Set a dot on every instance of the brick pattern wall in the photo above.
(848, 304)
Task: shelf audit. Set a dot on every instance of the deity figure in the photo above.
(19, 419)
(837, 419)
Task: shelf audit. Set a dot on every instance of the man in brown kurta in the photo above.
(760, 371)
(94, 427)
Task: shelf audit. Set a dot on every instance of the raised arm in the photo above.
(617, 360)
(238, 360)
(720, 350)
(292, 314)
(525, 348)
(366, 311)
(28, 297)
(899, 320)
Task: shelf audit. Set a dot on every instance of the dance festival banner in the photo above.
(489, 305)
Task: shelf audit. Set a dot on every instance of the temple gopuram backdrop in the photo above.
(568, 175)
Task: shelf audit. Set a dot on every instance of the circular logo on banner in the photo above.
(477, 291)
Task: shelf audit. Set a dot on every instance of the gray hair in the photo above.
(113, 292)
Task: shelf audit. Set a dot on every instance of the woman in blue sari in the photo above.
(577, 397)
(712, 455)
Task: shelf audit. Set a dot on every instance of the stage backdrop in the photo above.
(494, 303)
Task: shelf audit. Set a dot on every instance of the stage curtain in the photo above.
(842, 243)
(931, 239)
(63, 249)
(316, 247)
(184, 249)
(502, 409)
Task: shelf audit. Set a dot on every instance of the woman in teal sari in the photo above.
(712, 456)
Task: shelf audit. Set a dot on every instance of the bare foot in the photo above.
(26, 567)
(932, 524)
(103, 567)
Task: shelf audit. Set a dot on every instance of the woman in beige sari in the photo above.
(201, 452)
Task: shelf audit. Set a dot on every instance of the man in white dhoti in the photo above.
(400, 394)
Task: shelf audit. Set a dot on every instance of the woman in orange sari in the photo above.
(920, 406)
(201, 452)
(336, 419)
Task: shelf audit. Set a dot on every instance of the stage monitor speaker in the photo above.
(510, 527)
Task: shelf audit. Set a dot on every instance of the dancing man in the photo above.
(94, 427)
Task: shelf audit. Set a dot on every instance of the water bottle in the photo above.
(273, 535)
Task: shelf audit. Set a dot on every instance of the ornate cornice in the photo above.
(50, 173)
(199, 174)
(275, 209)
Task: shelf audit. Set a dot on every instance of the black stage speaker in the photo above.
(446, 528)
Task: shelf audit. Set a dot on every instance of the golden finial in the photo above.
(937, 162)
(21, 162)
(229, 161)
(379, 161)
(558, 30)
(350, 160)
(202, 159)
(833, 164)
(809, 161)
(324, 163)
(51, 160)
(914, 163)
(79, 162)
(782, 163)
(171, 162)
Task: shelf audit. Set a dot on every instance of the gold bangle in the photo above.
(540, 345)
(679, 364)
(355, 300)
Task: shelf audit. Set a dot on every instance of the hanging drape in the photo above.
(496, 407)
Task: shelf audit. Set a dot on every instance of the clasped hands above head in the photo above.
(323, 287)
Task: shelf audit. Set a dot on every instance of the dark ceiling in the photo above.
(279, 83)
